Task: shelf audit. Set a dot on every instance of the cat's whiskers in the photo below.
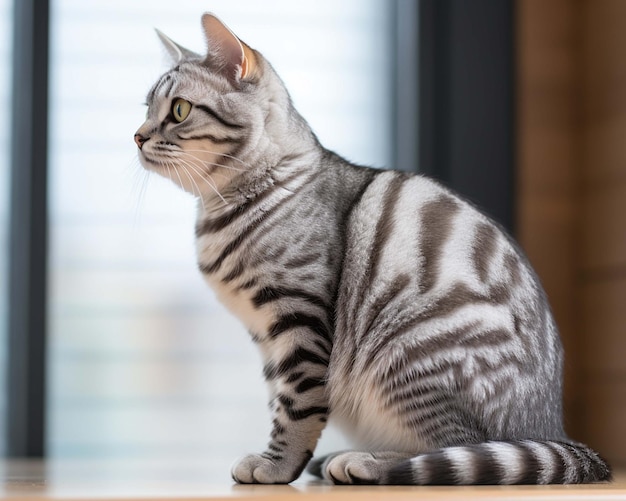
(206, 162)
(194, 186)
(205, 176)
(226, 155)
(141, 178)
(182, 185)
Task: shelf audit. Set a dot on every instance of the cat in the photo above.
(375, 296)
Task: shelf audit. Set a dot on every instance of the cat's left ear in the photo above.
(177, 52)
(236, 61)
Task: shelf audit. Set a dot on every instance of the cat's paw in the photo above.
(258, 469)
(354, 468)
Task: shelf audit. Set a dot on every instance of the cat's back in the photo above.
(416, 246)
(410, 225)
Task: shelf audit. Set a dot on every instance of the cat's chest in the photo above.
(240, 303)
(235, 293)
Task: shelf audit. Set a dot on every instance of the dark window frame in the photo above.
(466, 100)
(28, 240)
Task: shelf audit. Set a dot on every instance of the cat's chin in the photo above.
(169, 170)
(150, 164)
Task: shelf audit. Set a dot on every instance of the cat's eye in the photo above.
(181, 109)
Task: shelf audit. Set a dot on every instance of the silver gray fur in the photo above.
(380, 298)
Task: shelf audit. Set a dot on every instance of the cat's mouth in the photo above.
(154, 164)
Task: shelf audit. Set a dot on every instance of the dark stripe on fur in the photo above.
(485, 472)
(294, 377)
(384, 298)
(514, 267)
(299, 414)
(270, 294)
(153, 92)
(296, 320)
(277, 429)
(248, 284)
(302, 465)
(310, 383)
(216, 116)
(484, 246)
(299, 356)
(436, 224)
(439, 469)
(530, 475)
(275, 448)
(302, 260)
(236, 271)
(212, 138)
(467, 336)
(459, 296)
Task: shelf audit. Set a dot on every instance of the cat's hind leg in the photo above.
(352, 467)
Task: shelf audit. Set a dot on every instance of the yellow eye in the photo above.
(181, 109)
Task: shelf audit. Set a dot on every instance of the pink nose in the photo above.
(140, 140)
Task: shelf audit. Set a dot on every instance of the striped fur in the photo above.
(379, 297)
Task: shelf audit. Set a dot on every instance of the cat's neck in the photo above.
(264, 176)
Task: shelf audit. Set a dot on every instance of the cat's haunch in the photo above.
(379, 298)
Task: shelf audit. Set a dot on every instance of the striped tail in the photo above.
(504, 463)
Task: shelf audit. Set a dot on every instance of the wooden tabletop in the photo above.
(187, 479)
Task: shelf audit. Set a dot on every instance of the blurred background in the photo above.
(111, 345)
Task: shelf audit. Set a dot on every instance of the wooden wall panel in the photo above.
(548, 150)
(603, 225)
(604, 416)
(572, 197)
(605, 150)
(604, 328)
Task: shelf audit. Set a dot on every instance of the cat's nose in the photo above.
(140, 140)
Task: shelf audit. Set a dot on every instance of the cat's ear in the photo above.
(176, 52)
(235, 60)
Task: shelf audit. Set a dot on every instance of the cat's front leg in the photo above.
(299, 407)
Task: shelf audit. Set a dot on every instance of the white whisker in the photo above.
(141, 178)
(194, 184)
(179, 178)
(185, 166)
(221, 154)
(203, 175)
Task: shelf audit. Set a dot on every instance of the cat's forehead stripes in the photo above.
(163, 86)
(188, 80)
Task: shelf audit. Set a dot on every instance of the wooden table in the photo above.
(194, 479)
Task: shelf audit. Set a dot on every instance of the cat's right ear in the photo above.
(225, 52)
(177, 52)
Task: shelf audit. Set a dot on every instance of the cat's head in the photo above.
(217, 119)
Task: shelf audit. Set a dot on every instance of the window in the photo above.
(143, 361)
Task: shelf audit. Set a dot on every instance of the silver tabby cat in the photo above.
(377, 297)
